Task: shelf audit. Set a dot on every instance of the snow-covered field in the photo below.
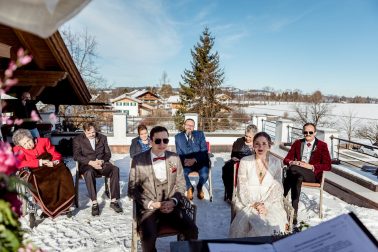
(369, 111)
(112, 232)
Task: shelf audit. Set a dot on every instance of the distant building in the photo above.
(223, 98)
(172, 103)
(131, 106)
(146, 97)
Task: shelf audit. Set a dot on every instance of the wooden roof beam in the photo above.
(5, 50)
(38, 77)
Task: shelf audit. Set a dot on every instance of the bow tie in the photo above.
(308, 144)
(158, 158)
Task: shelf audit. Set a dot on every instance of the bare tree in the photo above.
(83, 49)
(314, 110)
(369, 131)
(349, 123)
(164, 78)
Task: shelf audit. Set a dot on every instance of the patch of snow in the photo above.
(112, 232)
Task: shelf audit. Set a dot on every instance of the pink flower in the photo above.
(8, 161)
(12, 66)
(34, 116)
(8, 73)
(10, 82)
(25, 60)
(20, 53)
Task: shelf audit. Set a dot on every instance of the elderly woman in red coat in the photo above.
(50, 178)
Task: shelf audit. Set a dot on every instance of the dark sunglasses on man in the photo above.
(158, 140)
(308, 133)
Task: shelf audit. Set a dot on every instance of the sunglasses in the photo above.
(308, 132)
(158, 140)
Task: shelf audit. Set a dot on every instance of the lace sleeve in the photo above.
(275, 168)
(275, 195)
(243, 197)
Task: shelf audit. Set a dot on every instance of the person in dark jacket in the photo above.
(141, 143)
(242, 147)
(27, 111)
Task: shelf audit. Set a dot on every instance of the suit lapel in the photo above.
(168, 163)
(301, 152)
(87, 143)
(150, 171)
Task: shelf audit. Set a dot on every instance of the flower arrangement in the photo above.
(11, 234)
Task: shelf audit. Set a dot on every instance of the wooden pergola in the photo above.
(52, 76)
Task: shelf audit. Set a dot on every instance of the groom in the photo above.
(157, 184)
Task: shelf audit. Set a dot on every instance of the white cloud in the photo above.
(140, 32)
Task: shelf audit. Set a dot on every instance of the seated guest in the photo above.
(192, 149)
(157, 184)
(259, 201)
(307, 159)
(242, 147)
(51, 180)
(141, 143)
(92, 151)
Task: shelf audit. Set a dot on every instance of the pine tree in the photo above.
(201, 84)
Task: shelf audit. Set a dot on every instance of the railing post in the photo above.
(338, 150)
(332, 146)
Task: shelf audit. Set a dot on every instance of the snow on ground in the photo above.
(112, 232)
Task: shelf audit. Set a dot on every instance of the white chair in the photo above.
(318, 186)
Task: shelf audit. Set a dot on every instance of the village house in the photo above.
(131, 106)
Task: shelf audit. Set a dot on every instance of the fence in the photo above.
(270, 128)
(293, 133)
(204, 124)
(355, 153)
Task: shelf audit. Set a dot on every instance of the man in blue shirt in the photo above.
(192, 149)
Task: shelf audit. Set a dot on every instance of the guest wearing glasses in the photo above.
(157, 184)
(306, 160)
(192, 149)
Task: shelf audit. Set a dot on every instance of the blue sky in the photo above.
(326, 45)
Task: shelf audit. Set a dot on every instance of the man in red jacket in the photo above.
(306, 161)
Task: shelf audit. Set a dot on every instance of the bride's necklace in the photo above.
(261, 167)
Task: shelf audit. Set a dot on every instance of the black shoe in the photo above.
(115, 206)
(295, 220)
(95, 210)
(43, 215)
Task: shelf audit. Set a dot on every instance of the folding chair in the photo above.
(287, 206)
(196, 174)
(81, 176)
(164, 231)
(318, 186)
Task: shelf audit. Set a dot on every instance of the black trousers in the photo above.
(228, 178)
(295, 175)
(151, 221)
(108, 170)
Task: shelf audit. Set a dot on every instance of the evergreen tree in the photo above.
(201, 84)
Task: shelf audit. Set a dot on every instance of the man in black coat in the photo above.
(92, 151)
(27, 111)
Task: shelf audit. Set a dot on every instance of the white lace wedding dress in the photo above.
(247, 221)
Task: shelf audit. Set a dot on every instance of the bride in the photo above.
(259, 194)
